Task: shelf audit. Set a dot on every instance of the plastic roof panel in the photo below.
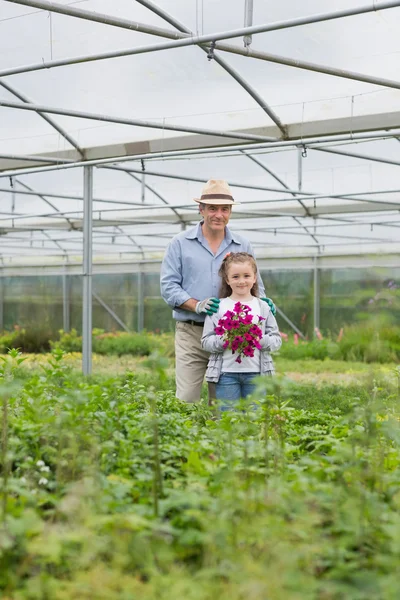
(180, 87)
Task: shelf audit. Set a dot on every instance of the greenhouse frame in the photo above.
(113, 116)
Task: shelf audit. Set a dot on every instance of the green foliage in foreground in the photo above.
(114, 490)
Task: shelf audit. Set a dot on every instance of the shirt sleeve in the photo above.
(210, 341)
(171, 276)
(271, 340)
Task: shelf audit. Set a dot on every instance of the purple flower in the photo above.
(235, 345)
(237, 308)
(248, 351)
(219, 330)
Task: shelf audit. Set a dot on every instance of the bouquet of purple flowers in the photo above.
(239, 332)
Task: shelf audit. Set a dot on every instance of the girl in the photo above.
(235, 380)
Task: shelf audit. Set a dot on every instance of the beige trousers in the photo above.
(190, 363)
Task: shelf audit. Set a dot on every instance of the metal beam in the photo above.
(181, 39)
(48, 119)
(140, 300)
(378, 159)
(66, 301)
(34, 158)
(227, 150)
(289, 322)
(134, 26)
(87, 272)
(222, 63)
(134, 122)
(96, 17)
(270, 172)
(30, 190)
(317, 293)
(44, 195)
(110, 311)
(154, 191)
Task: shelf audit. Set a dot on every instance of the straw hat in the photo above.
(216, 191)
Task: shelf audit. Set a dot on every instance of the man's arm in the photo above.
(171, 277)
(171, 284)
(189, 305)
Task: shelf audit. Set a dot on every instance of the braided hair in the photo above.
(229, 259)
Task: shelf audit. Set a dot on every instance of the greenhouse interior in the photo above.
(113, 117)
(151, 104)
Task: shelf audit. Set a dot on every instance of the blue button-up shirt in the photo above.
(190, 269)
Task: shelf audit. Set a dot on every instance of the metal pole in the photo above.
(299, 169)
(143, 188)
(48, 119)
(199, 152)
(248, 21)
(180, 39)
(43, 108)
(110, 311)
(289, 322)
(134, 26)
(87, 271)
(2, 302)
(140, 300)
(316, 295)
(66, 299)
(385, 161)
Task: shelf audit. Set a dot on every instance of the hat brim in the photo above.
(216, 201)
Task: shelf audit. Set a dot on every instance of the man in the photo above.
(190, 283)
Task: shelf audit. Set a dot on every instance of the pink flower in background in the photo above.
(339, 337)
(318, 333)
(240, 334)
(284, 336)
(296, 339)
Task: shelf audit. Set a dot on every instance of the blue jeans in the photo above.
(231, 387)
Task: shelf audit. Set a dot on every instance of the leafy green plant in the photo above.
(115, 489)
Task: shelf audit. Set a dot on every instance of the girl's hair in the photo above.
(231, 258)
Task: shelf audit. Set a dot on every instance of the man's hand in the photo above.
(209, 306)
(270, 304)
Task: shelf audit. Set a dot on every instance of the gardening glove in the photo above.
(209, 306)
(270, 304)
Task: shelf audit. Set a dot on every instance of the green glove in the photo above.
(209, 306)
(270, 304)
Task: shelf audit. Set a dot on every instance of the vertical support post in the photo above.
(66, 311)
(1, 303)
(248, 21)
(143, 187)
(140, 300)
(316, 294)
(299, 169)
(87, 271)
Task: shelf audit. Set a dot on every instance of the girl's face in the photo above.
(241, 278)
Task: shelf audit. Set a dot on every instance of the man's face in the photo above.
(216, 216)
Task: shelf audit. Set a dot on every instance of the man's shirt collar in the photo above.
(197, 233)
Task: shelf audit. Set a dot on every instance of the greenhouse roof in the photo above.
(296, 105)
